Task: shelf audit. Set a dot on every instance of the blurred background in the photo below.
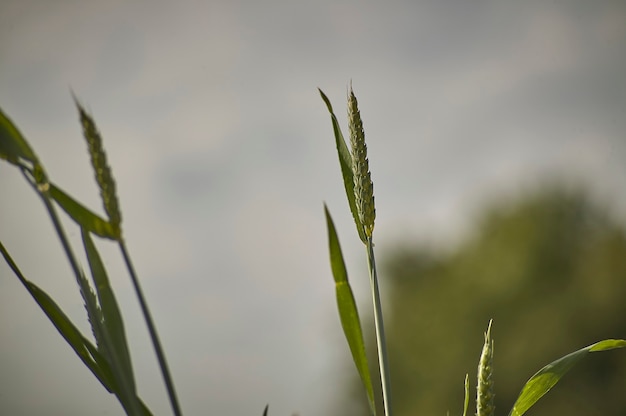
(496, 140)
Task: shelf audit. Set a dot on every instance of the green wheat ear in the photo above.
(485, 396)
(102, 171)
(363, 186)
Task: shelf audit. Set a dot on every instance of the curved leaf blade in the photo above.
(113, 322)
(546, 378)
(13, 145)
(85, 350)
(345, 162)
(112, 328)
(348, 312)
(83, 216)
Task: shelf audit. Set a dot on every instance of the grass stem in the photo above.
(381, 343)
(167, 378)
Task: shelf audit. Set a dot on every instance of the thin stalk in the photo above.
(61, 233)
(167, 378)
(42, 190)
(381, 343)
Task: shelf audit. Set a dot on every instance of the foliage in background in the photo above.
(549, 269)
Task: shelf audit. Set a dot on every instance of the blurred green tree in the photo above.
(550, 269)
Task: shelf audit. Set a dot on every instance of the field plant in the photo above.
(109, 360)
(359, 191)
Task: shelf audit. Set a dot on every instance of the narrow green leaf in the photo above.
(267, 406)
(338, 266)
(86, 351)
(102, 362)
(144, 409)
(548, 376)
(83, 216)
(81, 346)
(348, 312)
(345, 162)
(13, 145)
(113, 322)
(112, 329)
(354, 335)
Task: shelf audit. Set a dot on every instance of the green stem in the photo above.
(383, 362)
(167, 378)
(42, 191)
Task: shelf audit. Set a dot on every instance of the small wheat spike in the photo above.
(363, 186)
(102, 171)
(485, 396)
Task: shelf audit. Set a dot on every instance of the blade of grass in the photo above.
(112, 328)
(83, 216)
(546, 378)
(13, 145)
(108, 304)
(467, 395)
(348, 312)
(125, 390)
(85, 350)
(345, 162)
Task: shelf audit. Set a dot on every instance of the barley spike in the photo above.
(363, 186)
(103, 174)
(485, 396)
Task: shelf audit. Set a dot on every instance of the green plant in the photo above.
(359, 192)
(109, 360)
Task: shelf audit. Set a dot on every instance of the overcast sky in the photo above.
(223, 154)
